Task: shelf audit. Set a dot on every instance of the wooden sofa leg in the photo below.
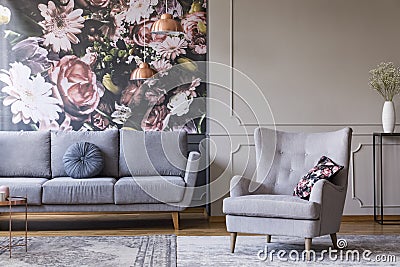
(334, 240)
(233, 242)
(268, 239)
(175, 219)
(308, 242)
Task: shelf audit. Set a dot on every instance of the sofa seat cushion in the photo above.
(272, 206)
(29, 187)
(66, 190)
(149, 189)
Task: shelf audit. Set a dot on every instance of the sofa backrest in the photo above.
(25, 154)
(152, 153)
(106, 140)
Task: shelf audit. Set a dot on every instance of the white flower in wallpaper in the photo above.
(54, 126)
(179, 104)
(5, 15)
(121, 113)
(29, 97)
(139, 9)
(172, 47)
(61, 25)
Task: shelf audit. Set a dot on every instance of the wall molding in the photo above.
(319, 124)
(231, 63)
(353, 177)
(232, 91)
(236, 151)
(251, 134)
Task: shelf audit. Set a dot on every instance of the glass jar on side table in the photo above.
(12, 202)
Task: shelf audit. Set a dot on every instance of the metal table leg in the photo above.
(26, 226)
(381, 185)
(10, 229)
(374, 174)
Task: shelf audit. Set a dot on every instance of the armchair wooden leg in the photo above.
(334, 240)
(233, 242)
(175, 219)
(308, 242)
(268, 238)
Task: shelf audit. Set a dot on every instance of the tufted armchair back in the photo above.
(284, 157)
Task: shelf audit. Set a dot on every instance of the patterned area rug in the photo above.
(182, 251)
(115, 251)
(250, 251)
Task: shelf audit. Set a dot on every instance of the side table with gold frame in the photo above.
(11, 202)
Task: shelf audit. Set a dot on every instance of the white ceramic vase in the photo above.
(388, 117)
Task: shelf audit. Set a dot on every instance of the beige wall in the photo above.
(310, 60)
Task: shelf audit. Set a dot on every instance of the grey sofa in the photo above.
(142, 172)
(267, 206)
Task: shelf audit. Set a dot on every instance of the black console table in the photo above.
(381, 206)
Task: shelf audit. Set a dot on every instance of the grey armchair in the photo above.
(266, 205)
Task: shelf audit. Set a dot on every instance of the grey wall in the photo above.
(309, 60)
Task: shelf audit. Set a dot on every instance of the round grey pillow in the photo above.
(83, 160)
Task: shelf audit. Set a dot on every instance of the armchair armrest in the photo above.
(325, 191)
(331, 197)
(241, 186)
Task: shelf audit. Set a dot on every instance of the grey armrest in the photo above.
(331, 197)
(324, 191)
(192, 168)
(241, 186)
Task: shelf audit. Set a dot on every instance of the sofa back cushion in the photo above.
(106, 141)
(152, 153)
(25, 154)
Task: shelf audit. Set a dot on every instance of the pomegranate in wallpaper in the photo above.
(68, 65)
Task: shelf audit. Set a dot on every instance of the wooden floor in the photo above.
(193, 223)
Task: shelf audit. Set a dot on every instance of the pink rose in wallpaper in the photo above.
(155, 119)
(155, 96)
(132, 95)
(139, 32)
(195, 25)
(67, 66)
(76, 86)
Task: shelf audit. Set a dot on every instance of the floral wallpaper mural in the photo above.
(66, 65)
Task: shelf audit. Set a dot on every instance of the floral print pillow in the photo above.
(325, 169)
